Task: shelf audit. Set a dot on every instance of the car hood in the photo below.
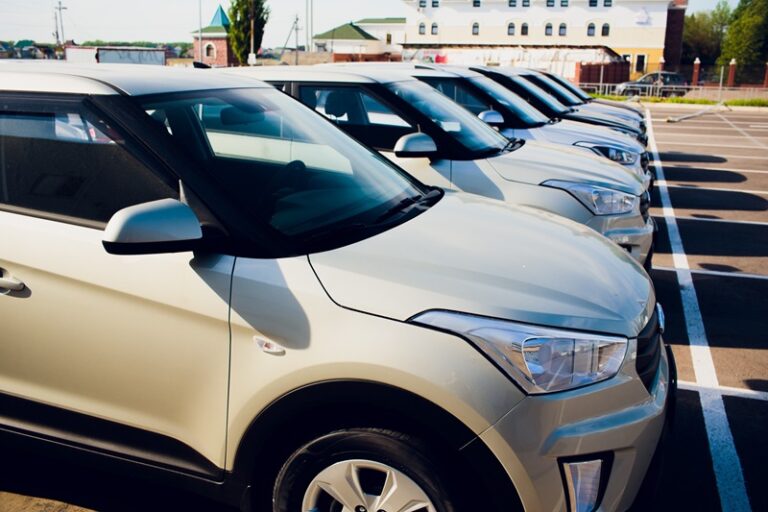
(571, 132)
(618, 113)
(602, 119)
(537, 161)
(484, 257)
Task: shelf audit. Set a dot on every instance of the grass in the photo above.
(753, 102)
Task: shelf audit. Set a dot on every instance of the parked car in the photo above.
(442, 144)
(211, 286)
(517, 119)
(551, 107)
(569, 99)
(662, 83)
(578, 91)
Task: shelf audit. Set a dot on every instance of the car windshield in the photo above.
(458, 123)
(563, 95)
(543, 96)
(524, 110)
(281, 163)
(568, 85)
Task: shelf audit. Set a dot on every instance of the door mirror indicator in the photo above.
(157, 227)
(491, 117)
(415, 145)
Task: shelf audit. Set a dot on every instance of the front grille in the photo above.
(645, 160)
(645, 204)
(649, 351)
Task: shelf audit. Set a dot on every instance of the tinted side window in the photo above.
(461, 95)
(67, 162)
(358, 113)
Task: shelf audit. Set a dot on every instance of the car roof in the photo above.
(105, 79)
(341, 73)
(508, 71)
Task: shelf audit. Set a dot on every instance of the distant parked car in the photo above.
(662, 83)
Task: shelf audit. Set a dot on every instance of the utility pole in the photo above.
(200, 28)
(296, 24)
(56, 27)
(252, 53)
(61, 19)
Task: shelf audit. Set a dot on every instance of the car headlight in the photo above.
(599, 200)
(539, 359)
(611, 153)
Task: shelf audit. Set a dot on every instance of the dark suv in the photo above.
(662, 83)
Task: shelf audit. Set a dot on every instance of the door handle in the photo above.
(8, 282)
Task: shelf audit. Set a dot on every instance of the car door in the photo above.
(124, 354)
(370, 120)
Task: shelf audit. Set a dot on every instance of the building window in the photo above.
(435, 3)
(422, 29)
(593, 3)
(548, 29)
(607, 3)
(475, 29)
(640, 64)
(550, 3)
(562, 30)
(526, 3)
(389, 38)
(422, 4)
(511, 29)
(627, 57)
(606, 29)
(563, 3)
(591, 30)
(210, 51)
(477, 3)
(513, 3)
(434, 29)
(524, 29)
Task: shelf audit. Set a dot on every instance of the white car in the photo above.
(443, 144)
(205, 284)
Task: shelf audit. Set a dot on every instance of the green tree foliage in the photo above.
(240, 13)
(704, 32)
(747, 39)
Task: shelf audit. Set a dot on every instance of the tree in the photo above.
(747, 39)
(240, 13)
(703, 34)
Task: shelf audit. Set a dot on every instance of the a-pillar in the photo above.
(731, 73)
(696, 72)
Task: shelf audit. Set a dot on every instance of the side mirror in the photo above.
(415, 145)
(156, 227)
(491, 117)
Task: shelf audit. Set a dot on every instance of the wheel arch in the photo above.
(299, 415)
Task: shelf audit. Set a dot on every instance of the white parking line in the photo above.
(725, 169)
(724, 221)
(754, 140)
(726, 390)
(735, 157)
(709, 145)
(718, 273)
(695, 187)
(725, 459)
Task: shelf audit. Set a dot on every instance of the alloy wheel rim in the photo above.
(359, 485)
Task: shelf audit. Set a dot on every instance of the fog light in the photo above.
(582, 482)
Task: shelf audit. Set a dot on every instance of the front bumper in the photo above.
(619, 417)
(634, 233)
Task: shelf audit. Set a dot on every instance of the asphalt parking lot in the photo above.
(711, 275)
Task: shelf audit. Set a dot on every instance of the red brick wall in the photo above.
(223, 55)
(613, 73)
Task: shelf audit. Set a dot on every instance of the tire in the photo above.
(374, 455)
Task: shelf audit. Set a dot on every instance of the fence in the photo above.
(700, 92)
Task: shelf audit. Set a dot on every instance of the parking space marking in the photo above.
(724, 169)
(720, 273)
(725, 221)
(751, 138)
(735, 157)
(718, 189)
(704, 144)
(726, 390)
(725, 460)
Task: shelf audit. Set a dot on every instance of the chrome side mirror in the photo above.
(491, 117)
(415, 145)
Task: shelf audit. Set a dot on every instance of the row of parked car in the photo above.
(390, 287)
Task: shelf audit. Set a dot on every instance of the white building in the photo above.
(369, 36)
(518, 31)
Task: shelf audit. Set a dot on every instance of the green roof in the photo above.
(347, 32)
(219, 23)
(381, 21)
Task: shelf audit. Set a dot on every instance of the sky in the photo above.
(174, 20)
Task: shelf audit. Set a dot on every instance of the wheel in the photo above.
(361, 470)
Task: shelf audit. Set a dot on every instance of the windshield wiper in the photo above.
(405, 204)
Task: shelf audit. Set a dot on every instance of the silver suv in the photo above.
(207, 284)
